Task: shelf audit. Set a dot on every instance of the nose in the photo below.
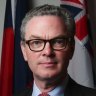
(48, 51)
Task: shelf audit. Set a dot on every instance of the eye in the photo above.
(36, 43)
(59, 41)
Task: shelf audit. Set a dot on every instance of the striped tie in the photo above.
(44, 94)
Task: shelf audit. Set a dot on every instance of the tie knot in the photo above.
(44, 94)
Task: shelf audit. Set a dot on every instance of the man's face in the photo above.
(48, 63)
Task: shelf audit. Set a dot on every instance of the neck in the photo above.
(48, 85)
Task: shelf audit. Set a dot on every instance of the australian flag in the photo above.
(81, 68)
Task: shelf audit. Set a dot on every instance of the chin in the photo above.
(50, 75)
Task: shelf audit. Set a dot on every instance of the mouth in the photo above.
(48, 64)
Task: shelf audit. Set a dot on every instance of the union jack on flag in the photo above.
(80, 68)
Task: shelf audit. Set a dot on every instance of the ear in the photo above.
(23, 49)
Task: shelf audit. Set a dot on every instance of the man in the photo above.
(47, 43)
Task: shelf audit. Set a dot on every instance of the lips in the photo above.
(48, 64)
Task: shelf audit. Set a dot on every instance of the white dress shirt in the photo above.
(58, 91)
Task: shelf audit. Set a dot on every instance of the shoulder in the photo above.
(79, 90)
(88, 91)
(25, 92)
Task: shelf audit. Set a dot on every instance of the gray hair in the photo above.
(50, 10)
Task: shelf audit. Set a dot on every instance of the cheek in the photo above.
(63, 59)
(63, 56)
(31, 56)
(32, 60)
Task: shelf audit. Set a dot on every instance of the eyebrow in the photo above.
(38, 37)
(33, 36)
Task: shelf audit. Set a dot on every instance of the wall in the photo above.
(41, 2)
(2, 12)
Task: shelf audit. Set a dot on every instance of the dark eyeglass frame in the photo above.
(68, 40)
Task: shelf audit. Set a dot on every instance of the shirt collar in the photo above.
(36, 90)
(58, 91)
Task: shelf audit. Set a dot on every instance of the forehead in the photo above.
(45, 27)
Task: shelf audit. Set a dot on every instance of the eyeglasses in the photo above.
(56, 43)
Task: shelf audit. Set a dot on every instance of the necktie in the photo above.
(44, 94)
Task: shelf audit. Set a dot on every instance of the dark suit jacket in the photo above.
(72, 89)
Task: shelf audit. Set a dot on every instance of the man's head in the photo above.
(47, 34)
